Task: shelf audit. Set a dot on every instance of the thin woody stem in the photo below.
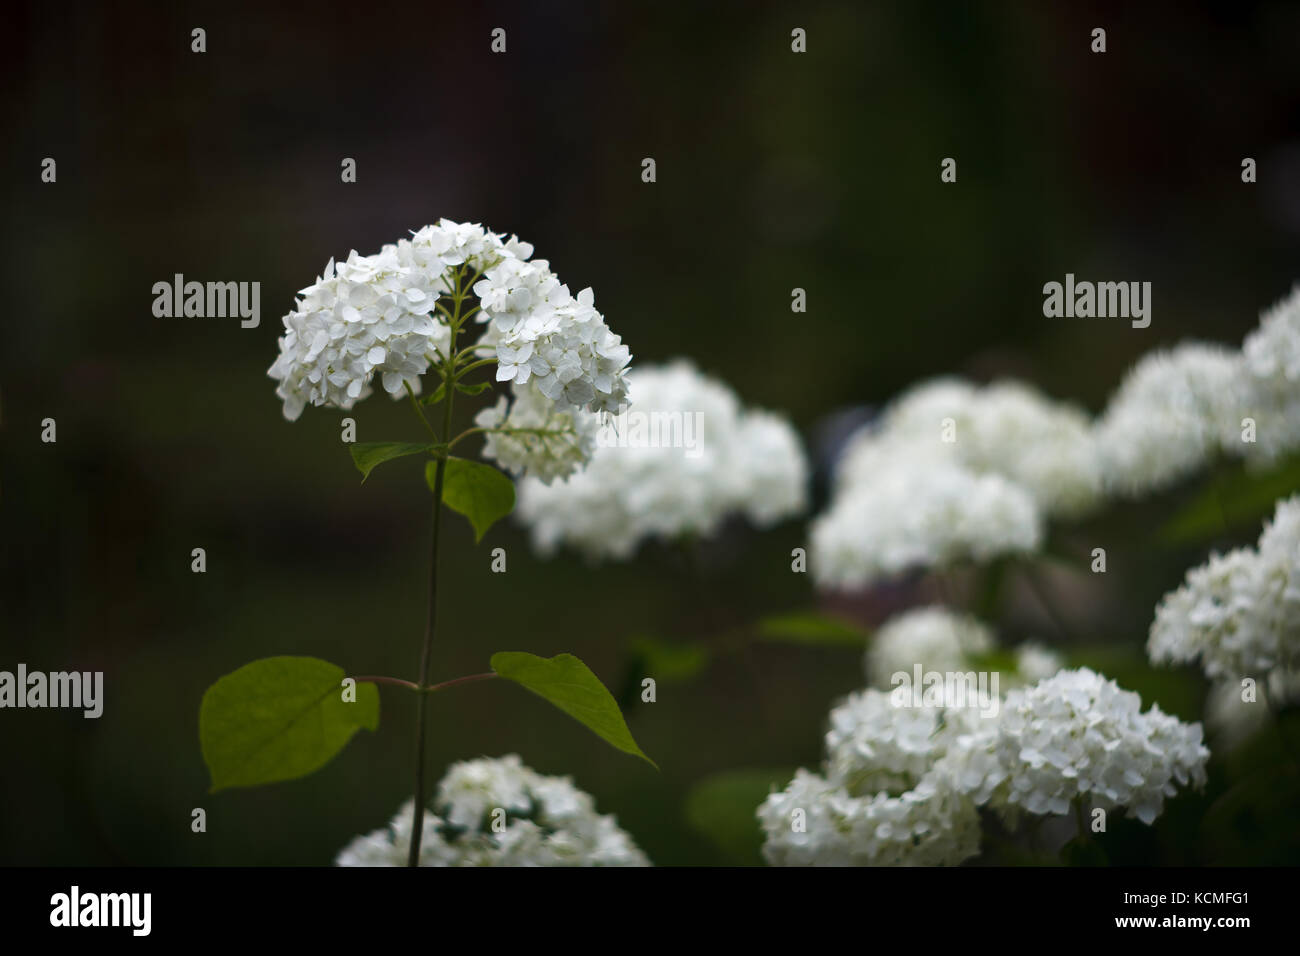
(426, 651)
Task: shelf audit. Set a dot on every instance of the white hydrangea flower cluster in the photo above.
(1078, 734)
(1239, 613)
(902, 785)
(1174, 411)
(377, 315)
(885, 798)
(683, 458)
(549, 822)
(1271, 354)
(1179, 408)
(953, 471)
(941, 640)
(1035, 662)
(370, 315)
(933, 637)
(534, 436)
(1232, 720)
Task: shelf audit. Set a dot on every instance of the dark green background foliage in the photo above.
(774, 171)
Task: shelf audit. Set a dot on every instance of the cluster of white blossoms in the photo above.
(1271, 354)
(933, 637)
(1175, 410)
(1078, 735)
(953, 471)
(1180, 408)
(497, 812)
(939, 640)
(1233, 714)
(902, 785)
(379, 316)
(684, 457)
(1239, 613)
(884, 798)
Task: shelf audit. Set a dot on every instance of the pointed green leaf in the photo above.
(570, 685)
(481, 493)
(476, 389)
(280, 718)
(811, 628)
(368, 455)
(436, 396)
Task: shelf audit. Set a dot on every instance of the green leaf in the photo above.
(481, 493)
(1240, 499)
(571, 686)
(476, 389)
(279, 718)
(722, 808)
(667, 662)
(368, 455)
(811, 627)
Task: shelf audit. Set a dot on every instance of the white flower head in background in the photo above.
(1239, 613)
(928, 516)
(943, 641)
(1077, 735)
(953, 472)
(1271, 356)
(380, 316)
(1175, 411)
(498, 812)
(683, 458)
(933, 637)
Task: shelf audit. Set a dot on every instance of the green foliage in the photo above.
(569, 684)
(812, 627)
(369, 455)
(723, 808)
(666, 661)
(1238, 500)
(279, 718)
(481, 493)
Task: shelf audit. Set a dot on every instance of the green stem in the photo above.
(395, 681)
(470, 679)
(426, 651)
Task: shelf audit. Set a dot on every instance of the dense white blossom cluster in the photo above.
(1178, 409)
(1271, 354)
(379, 316)
(953, 471)
(939, 640)
(1232, 714)
(933, 637)
(1078, 734)
(1175, 410)
(902, 785)
(883, 800)
(685, 456)
(547, 822)
(1239, 613)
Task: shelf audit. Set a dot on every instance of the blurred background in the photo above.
(774, 171)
